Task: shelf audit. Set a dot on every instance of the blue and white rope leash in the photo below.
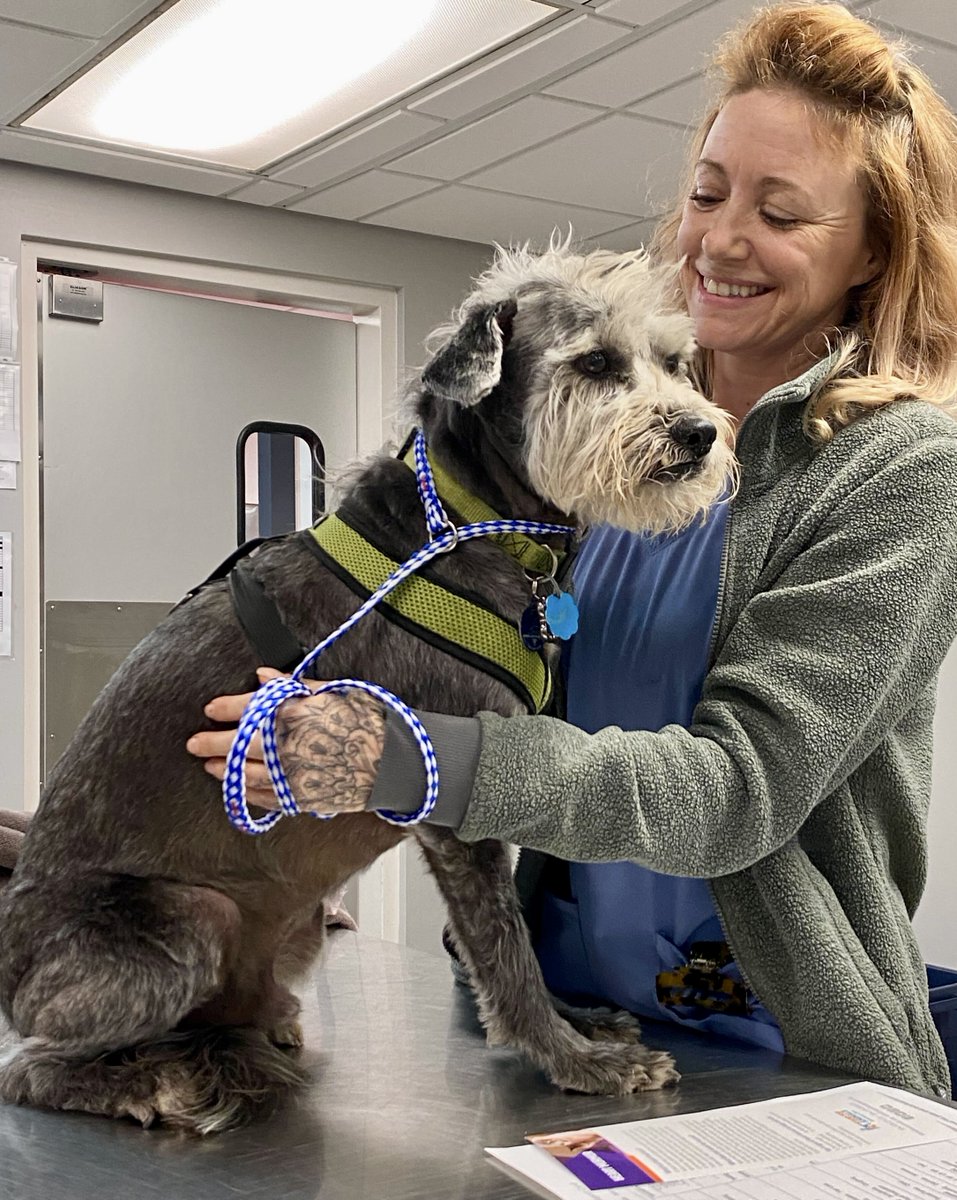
(260, 714)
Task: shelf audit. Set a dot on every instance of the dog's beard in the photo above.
(594, 451)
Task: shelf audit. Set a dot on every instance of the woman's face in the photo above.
(774, 232)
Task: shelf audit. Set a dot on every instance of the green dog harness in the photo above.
(450, 619)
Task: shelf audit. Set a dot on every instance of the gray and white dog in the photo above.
(145, 944)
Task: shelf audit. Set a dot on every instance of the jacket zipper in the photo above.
(775, 395)
(719, 606)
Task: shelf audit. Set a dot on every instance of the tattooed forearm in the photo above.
(330, 746)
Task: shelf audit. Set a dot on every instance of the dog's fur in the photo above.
(145, 944)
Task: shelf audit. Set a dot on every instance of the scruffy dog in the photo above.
(145, 943)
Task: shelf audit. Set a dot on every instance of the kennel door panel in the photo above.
(140, 418)
(140, 414)
(84, 643)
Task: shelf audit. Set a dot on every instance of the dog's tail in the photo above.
(203, 1080)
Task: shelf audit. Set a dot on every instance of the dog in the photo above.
(146, 945)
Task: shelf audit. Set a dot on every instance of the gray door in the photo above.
(140, 415)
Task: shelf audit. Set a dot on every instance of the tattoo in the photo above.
(330, 746)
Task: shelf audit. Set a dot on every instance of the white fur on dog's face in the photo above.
(596, 442)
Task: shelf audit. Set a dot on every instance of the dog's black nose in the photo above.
(695, 434)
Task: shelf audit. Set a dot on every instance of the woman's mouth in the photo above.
(720, 287)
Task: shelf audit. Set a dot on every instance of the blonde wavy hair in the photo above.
(899, 339)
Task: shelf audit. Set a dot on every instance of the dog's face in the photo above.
(586, 359)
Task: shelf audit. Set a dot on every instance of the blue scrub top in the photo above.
(638, 661)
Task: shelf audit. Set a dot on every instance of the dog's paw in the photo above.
(601, 1024)
(611, 1069)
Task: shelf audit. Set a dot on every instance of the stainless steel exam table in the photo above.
(405, 1096)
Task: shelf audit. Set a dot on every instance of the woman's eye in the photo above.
(703, 199)
(780, 222)
(595, 362)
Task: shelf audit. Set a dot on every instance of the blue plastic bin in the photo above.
(943, 1008)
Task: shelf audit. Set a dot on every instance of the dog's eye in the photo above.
(676, 365)
(595, 362)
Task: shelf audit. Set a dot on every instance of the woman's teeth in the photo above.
(732, 289)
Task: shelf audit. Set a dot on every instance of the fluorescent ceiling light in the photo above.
(246, 82)
(235, 82)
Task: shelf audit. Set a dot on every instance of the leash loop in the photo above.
(260, 713)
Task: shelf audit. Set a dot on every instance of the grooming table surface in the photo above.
(404, 1097)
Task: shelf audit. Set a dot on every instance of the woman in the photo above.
(776, 667)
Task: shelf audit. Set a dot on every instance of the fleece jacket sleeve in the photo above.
(815, 671)
(400, 781)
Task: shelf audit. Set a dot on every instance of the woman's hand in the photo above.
(329, 747)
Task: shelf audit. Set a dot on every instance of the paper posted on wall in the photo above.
(856, 1142)
(6, 595)
(8, 309)
(9, 412)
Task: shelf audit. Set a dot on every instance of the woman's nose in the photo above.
(725, 235)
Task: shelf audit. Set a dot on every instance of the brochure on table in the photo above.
(856, 1142)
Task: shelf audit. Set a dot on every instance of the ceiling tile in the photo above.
(508, 71)
(940, 63)
(364, 194)
(619, 164)
(655, 61)
(628, 238)
(932, 18)
(355, 149)
(91, 160)
(92, 18)
(477, 216)
(32, 62)
(639, 12)
(265, 191)
(516, 127)
(685, 103)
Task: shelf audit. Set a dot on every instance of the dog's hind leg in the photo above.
(513, 1003)
(97, 979)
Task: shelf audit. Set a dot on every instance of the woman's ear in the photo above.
(872, 265)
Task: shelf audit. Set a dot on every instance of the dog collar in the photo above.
(531, 554)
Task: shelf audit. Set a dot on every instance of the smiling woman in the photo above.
(821, 124)
(775, 237)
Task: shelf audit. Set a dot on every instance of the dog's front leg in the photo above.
(513, 1003)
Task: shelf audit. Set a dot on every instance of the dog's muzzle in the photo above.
(694, 436)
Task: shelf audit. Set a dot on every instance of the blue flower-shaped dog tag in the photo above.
(561, 613)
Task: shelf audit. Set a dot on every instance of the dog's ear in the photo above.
(468, 367)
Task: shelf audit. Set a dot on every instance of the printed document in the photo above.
(854, 1142)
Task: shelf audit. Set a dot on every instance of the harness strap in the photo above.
(447, 619)
(275, 646)
(261, 622)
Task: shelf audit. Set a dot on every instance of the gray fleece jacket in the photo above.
(801, 789)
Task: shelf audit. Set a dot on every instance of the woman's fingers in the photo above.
(228, 709)
(347, 728)
(258, 786)
(215, 743)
